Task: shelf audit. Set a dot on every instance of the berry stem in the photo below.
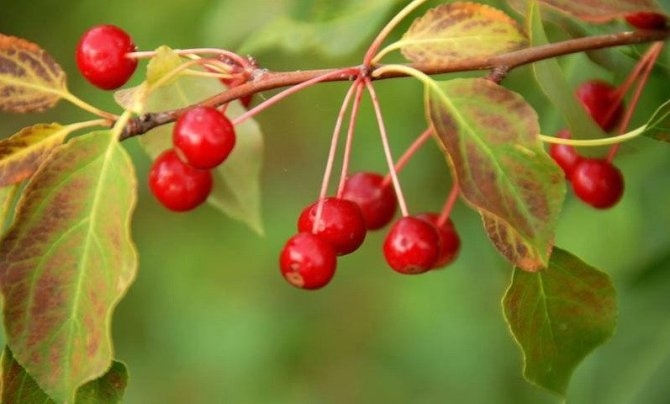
(449, 204)
(647, 62)
(370, 58)
(360, 85)
(334, 140)
(190, 53)
(411, 150)
(387, 148)
(349, 71)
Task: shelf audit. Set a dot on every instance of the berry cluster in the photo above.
(596, 181)
(336, 226)
(181, 178)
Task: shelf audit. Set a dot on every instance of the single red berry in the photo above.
(450, 242)
(376, 199)
(307, 261)
(234, 82)
(564, 155)
(602, 102)
(176, 185)
(101, 56)
(412, 246)
(203, 137)
(341, 224)
(647, 20)
(597, 182)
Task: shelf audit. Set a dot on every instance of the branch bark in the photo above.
(264, 80)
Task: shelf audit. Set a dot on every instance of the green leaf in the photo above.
(30, 79)
(558, 316)
(602, 10)
(19, 387)
(66, 262)
(491, 138)
(22, 153)
(456, 31)
(237, 181)
(658, 126)
(332, 28)
(552, 81)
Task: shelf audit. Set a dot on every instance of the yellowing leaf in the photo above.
(30, 80)
(454, 31)
(491, 138)
(22, 153)
(66, 262)
(558, 316)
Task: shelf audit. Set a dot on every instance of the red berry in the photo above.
(341, 224)
(376, 199)
(597, 182)
(647, 20)
(101, 56)
(412, 246)
(564, 155)
(307, 261)
(602, 102)
(203, 137)
(232, 83)
(176, 185)
(450, 242)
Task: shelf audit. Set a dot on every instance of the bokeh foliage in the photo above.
(209, 319)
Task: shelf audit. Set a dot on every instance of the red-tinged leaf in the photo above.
(66, 262)
(455, 31)
(8, 196)
(551, 79)
(599, 11)
(491, 138)
(19, 387)
(558, 316)
(30, 79)
(22, 153)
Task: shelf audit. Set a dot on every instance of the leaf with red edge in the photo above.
(19, 387)
(30, 79)
(558, 316)
(455, 31)
(600, 11)
(491, 138)
(22, 153)
(66, 262)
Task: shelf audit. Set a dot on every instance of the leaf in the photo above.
(236, 190)
(236, 182)
(66, 262)
(551, 79)
(22, 153)
(491, 138)
(456, 31)
(19, 387)
(30, 79)
(8, 196)
(658, 126)
(331, 28)
(602, 10)
(558, 316)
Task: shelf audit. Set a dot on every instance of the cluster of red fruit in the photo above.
(336, 226)
(202, 137)
(596, 181)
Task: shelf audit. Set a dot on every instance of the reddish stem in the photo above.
(360, 85)
(387, 148)
(449, 204)
(411, 150)
(642, 71)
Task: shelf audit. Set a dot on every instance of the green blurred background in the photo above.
(210, 320)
